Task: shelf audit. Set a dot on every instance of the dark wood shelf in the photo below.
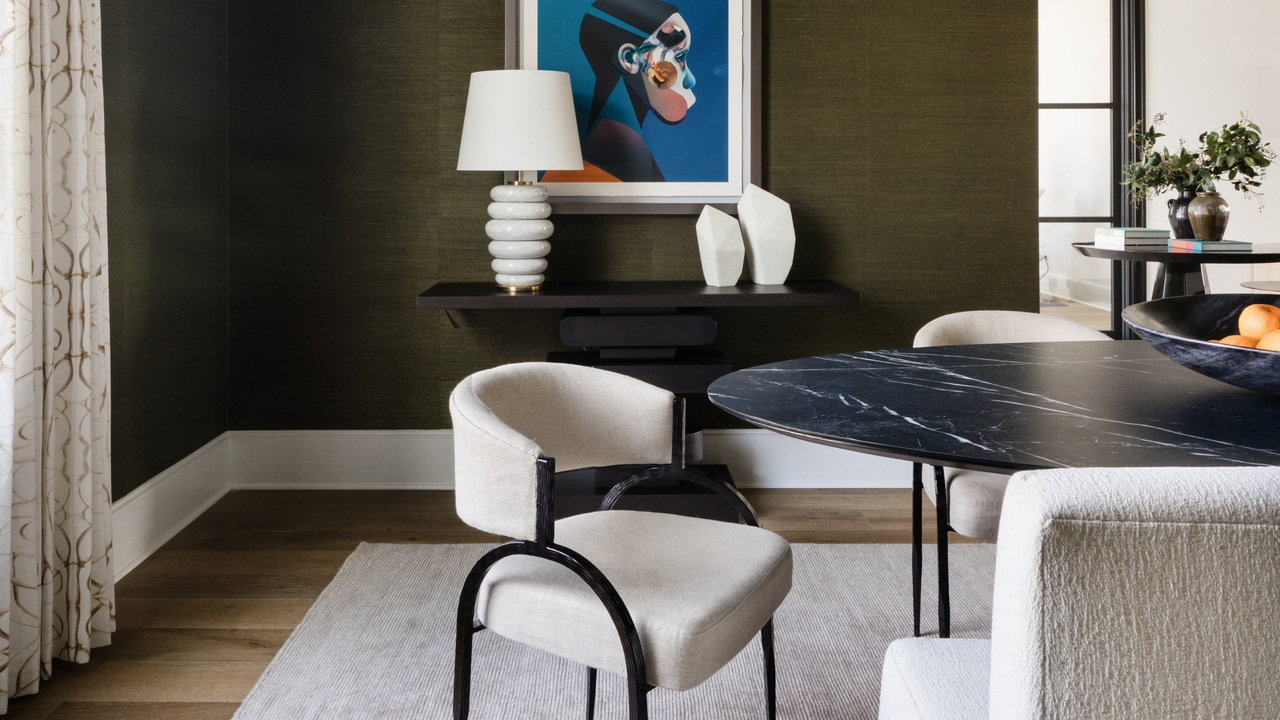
(637, 294)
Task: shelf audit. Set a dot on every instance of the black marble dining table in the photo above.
(1010, 407)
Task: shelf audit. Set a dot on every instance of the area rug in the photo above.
(378, 644)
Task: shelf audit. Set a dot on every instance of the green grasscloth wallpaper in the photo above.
(903, 134)
(165, 80)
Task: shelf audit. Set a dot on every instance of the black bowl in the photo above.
(1181, 328)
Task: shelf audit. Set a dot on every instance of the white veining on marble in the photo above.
(1144, 425)
(953, 436)
(1003, 406)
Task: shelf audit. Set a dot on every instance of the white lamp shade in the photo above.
(520, 120)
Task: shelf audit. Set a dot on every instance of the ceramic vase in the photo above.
(1178, 219)
(1209, 214)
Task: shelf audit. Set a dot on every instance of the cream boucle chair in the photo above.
(1129, 593)
(663, 600)
(968, 501)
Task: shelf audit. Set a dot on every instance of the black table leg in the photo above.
(1178, 279)
(917, 540)
(1129, 280)
(944, 592)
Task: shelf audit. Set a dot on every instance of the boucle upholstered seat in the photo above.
(1129, 593)
(697, 590)
(973, 498)
(664, 600)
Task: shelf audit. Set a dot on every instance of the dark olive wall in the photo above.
(903, 134)
(165, 79)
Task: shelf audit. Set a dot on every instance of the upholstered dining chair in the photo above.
(1134, 593)
(968, 501)
(663, 600)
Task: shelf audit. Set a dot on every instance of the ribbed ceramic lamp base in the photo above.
(519, 231)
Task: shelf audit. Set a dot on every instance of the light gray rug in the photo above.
(378, 644)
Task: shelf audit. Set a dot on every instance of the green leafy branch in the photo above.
(1236, 152)
(1158, 171)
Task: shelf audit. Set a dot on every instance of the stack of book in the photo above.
(1120, 238)
(1194, 246)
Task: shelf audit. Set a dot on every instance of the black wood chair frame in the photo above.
(544, 546)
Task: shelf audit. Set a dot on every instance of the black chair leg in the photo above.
(917, 541)
(462, 665)
(591, 693)
(638, 695)
(770, 672)
(944, 592)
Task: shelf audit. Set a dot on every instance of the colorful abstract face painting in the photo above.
(643, 114)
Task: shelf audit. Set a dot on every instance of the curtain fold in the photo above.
(55, 366)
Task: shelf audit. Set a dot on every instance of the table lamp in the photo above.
(521, 121)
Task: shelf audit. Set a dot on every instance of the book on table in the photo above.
(1178, 245)
(1122, 238)
(1115, 242)
(1125, 232)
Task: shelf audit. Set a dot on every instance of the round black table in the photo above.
(1011, 407)
(1180, 272)
(1004, 408)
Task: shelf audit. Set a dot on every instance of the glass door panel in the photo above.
(1075, 51)
(1075, 163)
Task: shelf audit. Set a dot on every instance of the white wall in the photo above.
(1075, 145)
(1205, 63)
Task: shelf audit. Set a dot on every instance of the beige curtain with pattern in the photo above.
(55, 367)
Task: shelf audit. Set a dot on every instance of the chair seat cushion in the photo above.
(975, 499)
(931, 679)
(697, 590)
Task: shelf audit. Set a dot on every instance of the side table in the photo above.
(1180, 272)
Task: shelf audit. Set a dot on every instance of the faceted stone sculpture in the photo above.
(721, 248)
(770, 235)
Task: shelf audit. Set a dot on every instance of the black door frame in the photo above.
(1128, 107)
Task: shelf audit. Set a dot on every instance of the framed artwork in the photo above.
(667, 99)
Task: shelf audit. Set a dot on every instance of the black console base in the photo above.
(689, 371)
(582, 491)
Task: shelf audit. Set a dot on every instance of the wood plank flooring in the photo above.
(199, 620)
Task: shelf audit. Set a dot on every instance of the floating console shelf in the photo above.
(653, 330)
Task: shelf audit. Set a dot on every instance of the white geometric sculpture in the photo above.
(720, 245)
(770, 236)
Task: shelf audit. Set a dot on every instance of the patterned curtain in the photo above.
(57, 592)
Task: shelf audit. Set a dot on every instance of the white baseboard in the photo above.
(342, 459)
(146, 518)
(765, 459)
(423, 460)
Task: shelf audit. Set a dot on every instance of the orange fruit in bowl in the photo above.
(1258, 320)
(1243, 340)
(1270, 341)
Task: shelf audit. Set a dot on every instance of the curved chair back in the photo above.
(1138, 593)
(505, 418)
(982, 327)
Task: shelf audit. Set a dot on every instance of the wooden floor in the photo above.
(1080, 313)
(199, 620)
